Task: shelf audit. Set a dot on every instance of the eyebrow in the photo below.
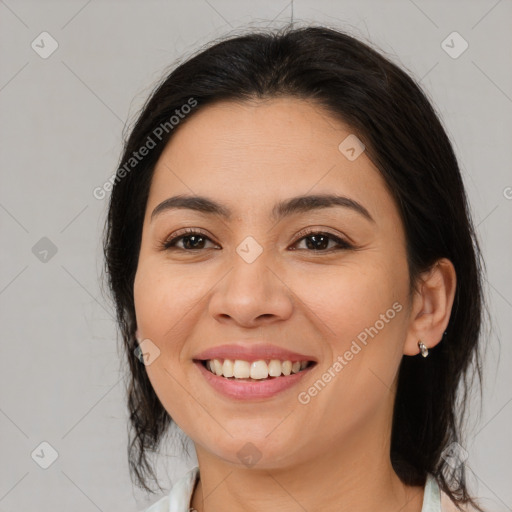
(285, 208)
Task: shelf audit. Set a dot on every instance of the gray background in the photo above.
(61, 125)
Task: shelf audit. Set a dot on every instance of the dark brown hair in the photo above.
(405, 139)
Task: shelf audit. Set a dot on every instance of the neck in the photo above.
(357, 476)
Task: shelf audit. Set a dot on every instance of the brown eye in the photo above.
(319, 241)
(190, 241)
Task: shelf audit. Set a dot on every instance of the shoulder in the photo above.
(178, 499)
(162, 505)
(436, 500)
(447, 505)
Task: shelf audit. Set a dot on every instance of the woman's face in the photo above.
(327, 282)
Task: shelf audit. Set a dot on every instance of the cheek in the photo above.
(361, 313)
(158, 320)
(164, 304)
(163, 297)
(348, 299)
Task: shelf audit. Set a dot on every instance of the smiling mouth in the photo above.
(254, 371)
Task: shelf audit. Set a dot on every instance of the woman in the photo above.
(297, 280)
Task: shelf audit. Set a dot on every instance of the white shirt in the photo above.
(179, 498)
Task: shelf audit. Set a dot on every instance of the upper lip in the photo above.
(253, 352)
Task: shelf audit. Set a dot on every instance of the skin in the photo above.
(333, 452)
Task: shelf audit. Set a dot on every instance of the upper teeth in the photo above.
(255, 370)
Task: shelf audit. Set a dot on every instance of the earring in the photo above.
(423, 348)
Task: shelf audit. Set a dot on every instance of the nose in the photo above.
(251, 294)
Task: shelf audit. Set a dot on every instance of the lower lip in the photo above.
(247, 390)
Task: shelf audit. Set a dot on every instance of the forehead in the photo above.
(261, 149)
(280, 125)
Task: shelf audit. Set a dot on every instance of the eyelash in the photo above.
(342, 244)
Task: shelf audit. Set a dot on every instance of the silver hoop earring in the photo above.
(423, 348)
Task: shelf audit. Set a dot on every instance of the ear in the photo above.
(431, 306)
(137, 335)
